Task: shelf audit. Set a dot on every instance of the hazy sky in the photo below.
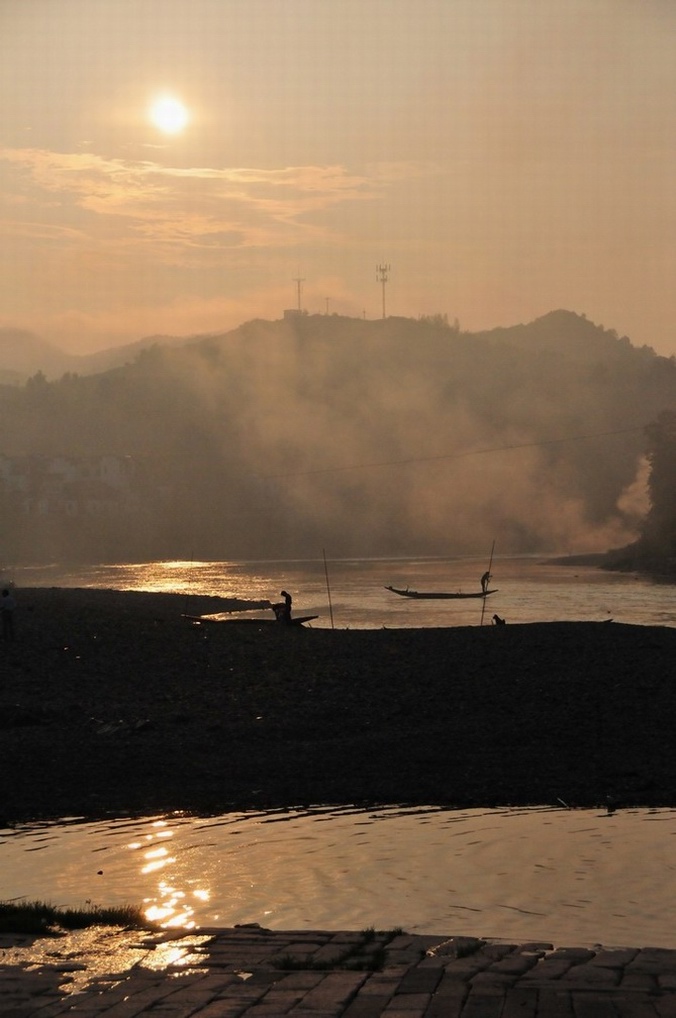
(505, 157)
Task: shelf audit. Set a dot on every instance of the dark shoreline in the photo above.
(111, 703)
(623, 560)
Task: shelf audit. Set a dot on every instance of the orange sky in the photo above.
(506, 157)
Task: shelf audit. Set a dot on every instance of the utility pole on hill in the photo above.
(382, 275)
(298, 281)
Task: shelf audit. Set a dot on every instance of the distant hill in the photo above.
(384, 437)
(116, 356)
(23, 354)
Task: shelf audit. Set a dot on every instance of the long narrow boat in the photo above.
(206, 619)
(440, 595)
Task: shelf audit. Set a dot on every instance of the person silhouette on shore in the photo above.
(7, 606)
(484, 581)
(283, 609)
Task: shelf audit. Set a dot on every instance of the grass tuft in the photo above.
(41, 917)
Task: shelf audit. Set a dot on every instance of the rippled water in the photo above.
(571, 876)
(351, 593)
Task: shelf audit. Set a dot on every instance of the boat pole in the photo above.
(189, 584)
(483, 599)
(328, 586)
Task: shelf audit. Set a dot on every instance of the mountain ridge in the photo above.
(24, 353)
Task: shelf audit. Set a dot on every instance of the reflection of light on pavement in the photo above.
(202, 895)
(176, 953)
(102, 954)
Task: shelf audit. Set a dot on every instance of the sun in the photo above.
(168, 114)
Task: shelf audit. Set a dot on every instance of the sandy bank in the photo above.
(111, 701)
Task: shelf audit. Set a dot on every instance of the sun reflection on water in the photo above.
(169, 908)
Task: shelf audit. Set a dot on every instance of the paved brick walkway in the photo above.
(258, 973)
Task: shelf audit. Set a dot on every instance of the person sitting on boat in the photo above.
(283, 609)
(484, 581)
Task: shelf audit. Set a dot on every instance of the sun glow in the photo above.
(168, 114)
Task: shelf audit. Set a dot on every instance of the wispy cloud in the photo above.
(197, 206)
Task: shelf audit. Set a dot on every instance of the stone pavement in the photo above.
(258, 973)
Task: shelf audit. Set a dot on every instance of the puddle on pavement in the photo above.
(103, 955)
(571, 876)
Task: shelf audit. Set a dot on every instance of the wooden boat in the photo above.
(440, 595)
(205, 619)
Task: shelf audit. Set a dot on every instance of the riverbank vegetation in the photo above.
(655, 550)
(41, 918)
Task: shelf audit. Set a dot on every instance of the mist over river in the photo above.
(352, 594)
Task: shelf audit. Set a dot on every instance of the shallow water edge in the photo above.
(565, 875)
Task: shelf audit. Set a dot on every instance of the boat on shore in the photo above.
(299, 620)
(440, 595)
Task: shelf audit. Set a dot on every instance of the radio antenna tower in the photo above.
(382, 275)
(299, 281)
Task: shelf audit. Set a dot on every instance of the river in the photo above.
(351, 593)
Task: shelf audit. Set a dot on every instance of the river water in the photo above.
(351, 593)
(573, 876)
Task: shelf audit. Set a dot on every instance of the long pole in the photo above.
(483, 599)
(187, 589)
(328, 586)
(298, 280)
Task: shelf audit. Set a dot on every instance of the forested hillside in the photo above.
(655, 549)
(364, 437)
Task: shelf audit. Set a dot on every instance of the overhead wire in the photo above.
(411, 461)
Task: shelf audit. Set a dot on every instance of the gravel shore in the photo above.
(111, 702)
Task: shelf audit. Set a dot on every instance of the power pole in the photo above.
(382, 275)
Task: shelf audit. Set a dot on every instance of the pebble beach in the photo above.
(113, 700)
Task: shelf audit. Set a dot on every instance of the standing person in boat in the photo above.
(485, 580)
